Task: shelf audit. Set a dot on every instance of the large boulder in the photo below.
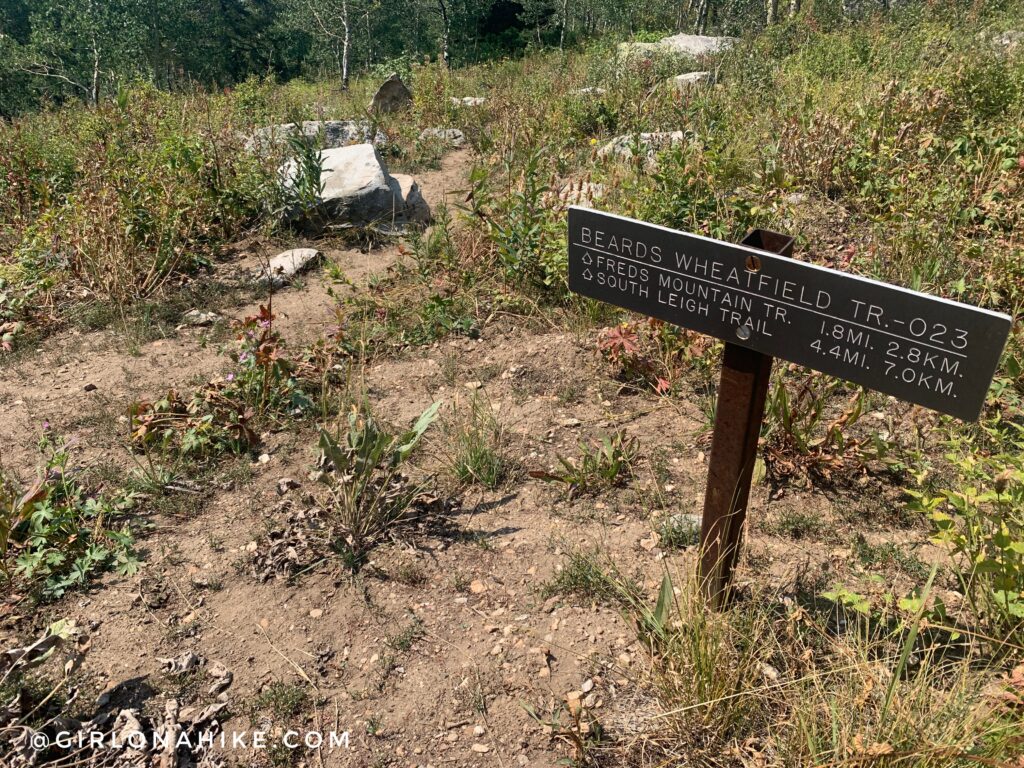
(324, 134)
(647, 144)
(682, 45)
(696, 45)
(357, 191)
(392, 96)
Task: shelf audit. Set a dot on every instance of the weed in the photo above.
(283, 700)
(888, 554)
(367, 493)
(981, 522)
(797, 524)
(600, 466)
(584, 578)
(479, 453)
(765, 670)
(56, 535)
(405, 639)
(679, 531)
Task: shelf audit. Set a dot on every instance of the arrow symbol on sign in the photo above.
(586, 258)
(587, 274)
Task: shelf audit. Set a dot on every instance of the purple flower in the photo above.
(231, 377)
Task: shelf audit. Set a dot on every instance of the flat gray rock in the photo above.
(325, 134)
(691, 81)
(696, 45)
(682, 45)
(468, 101)
(392, 96)
(648, 144)
(592, 90)
(283, 268)
(452, 136)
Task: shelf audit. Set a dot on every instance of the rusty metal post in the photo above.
(741, 398)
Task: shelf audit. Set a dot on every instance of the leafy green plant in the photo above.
(529, 242)
(600, 466)
(367, 492)
(56, 535)
(981, 521)
(302, 182)
(224, 414)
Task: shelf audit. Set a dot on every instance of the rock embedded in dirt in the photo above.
(477, 587)
(592, 90)
(691, 81)
(452, 136)
(323, 134)
(199, 319)
(392, 96)
(283, 268)
(186, 662)
(357, 190)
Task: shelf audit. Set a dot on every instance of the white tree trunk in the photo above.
(345, 40)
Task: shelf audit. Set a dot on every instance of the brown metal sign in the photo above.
(920, 348)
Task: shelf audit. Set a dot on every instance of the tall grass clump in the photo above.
(770, 682)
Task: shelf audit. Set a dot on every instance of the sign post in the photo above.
(742, 390)
(924, 349)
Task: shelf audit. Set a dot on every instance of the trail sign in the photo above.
(920, 348)
(923, 349)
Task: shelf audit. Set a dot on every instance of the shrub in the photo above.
(981, 522)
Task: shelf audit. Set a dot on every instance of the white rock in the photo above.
(324, 134)
(648, 143)
(358, 191)
(592, 90)
(198, 318)
(283, 268)
(453, 136)
(691, 81)
(696, 45)
(468, 101)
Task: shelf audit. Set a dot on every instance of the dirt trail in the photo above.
(443, 646)
(433, 655)
(80, 383)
